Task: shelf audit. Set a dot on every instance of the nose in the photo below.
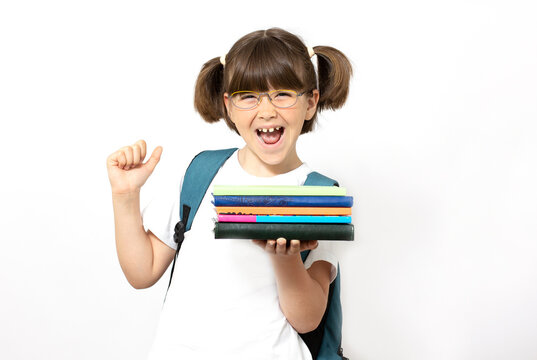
(265, 107)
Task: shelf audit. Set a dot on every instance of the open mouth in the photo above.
(270, 136)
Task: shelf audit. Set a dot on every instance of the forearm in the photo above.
(302, 299)
(133, 246)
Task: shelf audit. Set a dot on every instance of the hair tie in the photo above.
(311, 52)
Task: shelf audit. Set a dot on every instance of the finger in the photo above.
(281, 247)
(136, 155)
(143, 148)
(121, 159)
(260, 243)
(154, 159)
(294, 248)
(269, 247)
(309, 245)
(127, 151)
(112, 159)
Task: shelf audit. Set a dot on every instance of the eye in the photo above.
(283, 94)
(248, 96)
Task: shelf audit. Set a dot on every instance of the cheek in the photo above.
(295, 119)
(242, 123)
(236, 118)
(231, 115)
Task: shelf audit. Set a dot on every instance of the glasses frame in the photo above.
(260, 95)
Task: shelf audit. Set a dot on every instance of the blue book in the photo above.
(278, 201)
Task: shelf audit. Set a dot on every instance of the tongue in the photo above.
(271, 137)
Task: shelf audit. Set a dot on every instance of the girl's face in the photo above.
(271, 133)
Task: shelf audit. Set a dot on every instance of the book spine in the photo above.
(259, 210)
(259, 200)
(289, 231)
(279, 190)
(236, 218)
(285, 219)
(303, 219)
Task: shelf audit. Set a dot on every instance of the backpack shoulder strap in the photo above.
(198, 176)
(324, 342)
(317, 179)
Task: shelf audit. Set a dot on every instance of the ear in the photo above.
(227, 104)
(312, 104)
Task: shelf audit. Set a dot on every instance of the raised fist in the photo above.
(126, 171)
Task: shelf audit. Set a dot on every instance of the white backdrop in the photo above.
(437, 144)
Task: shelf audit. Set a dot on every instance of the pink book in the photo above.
(236, 218)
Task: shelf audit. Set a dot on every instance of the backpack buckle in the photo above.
(179, 232)
(340, 353)
(180, 227)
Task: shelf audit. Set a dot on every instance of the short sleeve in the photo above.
(162, 214)
(324, 252)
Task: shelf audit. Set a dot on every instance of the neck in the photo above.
(254, 165)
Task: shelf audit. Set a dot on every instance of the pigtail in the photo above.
(334, 73)
(208, 95)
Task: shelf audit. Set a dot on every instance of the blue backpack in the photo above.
(324, 342)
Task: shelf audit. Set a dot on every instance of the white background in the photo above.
(437, 143)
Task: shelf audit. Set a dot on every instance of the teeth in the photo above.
(270, 130)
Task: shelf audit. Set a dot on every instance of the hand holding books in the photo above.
(282, 246)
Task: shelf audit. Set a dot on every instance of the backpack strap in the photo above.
(316, 179)
(198, 176)
(324, 342)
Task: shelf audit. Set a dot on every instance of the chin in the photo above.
(271, 159)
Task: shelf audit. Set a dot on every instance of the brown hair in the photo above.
(272, 58)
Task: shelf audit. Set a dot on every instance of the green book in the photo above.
(279, 190)
(264, 231)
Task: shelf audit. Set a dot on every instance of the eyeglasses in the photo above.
(247, 100)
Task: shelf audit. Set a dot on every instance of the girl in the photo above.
(231, 299)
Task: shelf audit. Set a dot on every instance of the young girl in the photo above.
(236, 299)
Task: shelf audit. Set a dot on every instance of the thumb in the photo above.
(154, 159)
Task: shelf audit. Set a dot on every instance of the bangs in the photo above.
(268, 63)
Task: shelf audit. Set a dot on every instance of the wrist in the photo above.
(280, 259)
(126, 194)
(126, 197)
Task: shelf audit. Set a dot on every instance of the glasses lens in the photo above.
(250, 99)
(245, 99)
(283, 98)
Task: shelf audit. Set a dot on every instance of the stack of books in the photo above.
(291, 212)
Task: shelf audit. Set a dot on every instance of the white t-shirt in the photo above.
(223, 300)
